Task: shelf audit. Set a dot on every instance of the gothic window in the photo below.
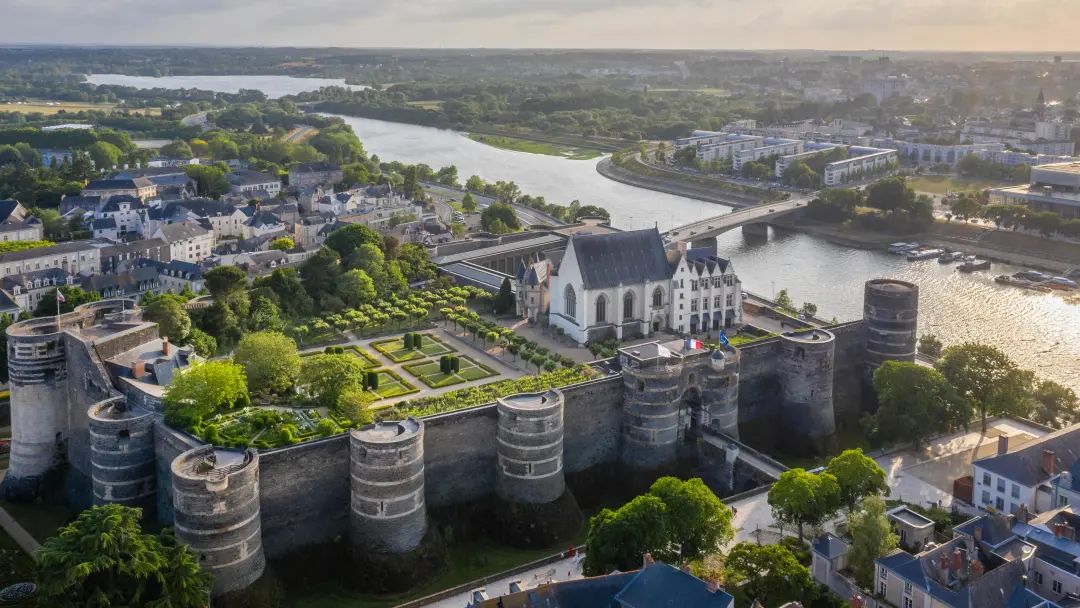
(658, 297)
(570, 302)
(628, 306)
(601, 309)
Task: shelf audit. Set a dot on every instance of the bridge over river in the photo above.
(702, 232)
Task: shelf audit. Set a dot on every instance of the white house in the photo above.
(1007, 480)
(188, 242)
(16, 223)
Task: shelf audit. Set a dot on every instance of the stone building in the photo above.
(321, 173)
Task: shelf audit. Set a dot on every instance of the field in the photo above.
(434, 104)
(944, 184)
(392, 385)
(395, 350)
(428, 372)
(535, 147)
(54, 107)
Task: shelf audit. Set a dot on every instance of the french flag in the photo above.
(692, 344)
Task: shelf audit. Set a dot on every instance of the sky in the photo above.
(975, 25)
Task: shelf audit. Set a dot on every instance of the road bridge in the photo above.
(701, 232)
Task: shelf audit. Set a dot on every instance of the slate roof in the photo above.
(114, 202)
(248, 178)
(202, 207)
(171, 233)
(661, 585)
(52, 275)
(829, 546)
(9, 207)
(627, 258)
(78, 201)
(150, 172)
(315, 167)
(104, 223)
(57, 249)
(131, 183)
(995, 529)
(1024, 466)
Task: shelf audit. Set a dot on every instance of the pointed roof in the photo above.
(626, 258)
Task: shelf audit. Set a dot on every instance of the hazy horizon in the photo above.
(984, 26)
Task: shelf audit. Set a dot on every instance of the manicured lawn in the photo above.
(395, 350)
(393, 385)
(466, 561)
(535, 147)
(943, 184)
(429, 373)
(367, 359)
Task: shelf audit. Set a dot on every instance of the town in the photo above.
(763, 329)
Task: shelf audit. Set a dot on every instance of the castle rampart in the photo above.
(388, 513)
(122, 455)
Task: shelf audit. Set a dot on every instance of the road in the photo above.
(714, 226)
(526, 215)
(195, 120)
(564, 570)
(300, 134)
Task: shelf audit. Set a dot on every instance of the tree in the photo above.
(675, 520)
(209, 180)
(73, 297)
(356, 288)
(800, 498)
(346, 240)
(282, 243)
(915, 402)
(105, 559)
(265, 316)
(808, 309)
(224, 281)
(319, 273)
(204, 344)
(52, 223)
(783, 300)
(1055, 405)
(324, 377)
(889, 194)
(105, 155)
(871, 537)
(499, 212)
(858, 476)
(177, 149)
(203, 390)
(353, 404)
(987, 378)
(271, 361)
(930, 345)
(288, 290)
(769, 574)
(468, 203)
(618, 539)
(172, 319)
(504, 301)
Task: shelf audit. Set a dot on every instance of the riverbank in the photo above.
(518, 144)
(701, 192)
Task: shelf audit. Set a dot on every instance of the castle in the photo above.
(86, 391)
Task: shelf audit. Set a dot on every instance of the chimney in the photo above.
(978, 534)
(857, 601)
(1003, 445)
(1048, 461)
(943, 565)
(957, 562)
(1059, 529)
(976, 569)
(166, 348)
(138, 369)
(647, 560)
(1022, 514)
(712, 585)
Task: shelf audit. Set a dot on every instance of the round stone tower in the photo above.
(122, 455)
(530, 448)
(39, 406)
(388, 513)
(720, 391)
(216, 503)
(891, 315)
(806, 381)
(652, 390)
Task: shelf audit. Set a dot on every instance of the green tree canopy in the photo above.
(871, 537)
(203, 390)
(858, 476)
(324, 377)
(172, 319)
(282, 243)
(271, 361)
(209, 180)
(356, 288)
(105, 155)
(204, 344)
(987, 378)
(915, 402)
(803, 498)
(769, 574)
(104, 559)
(73, 297)
(618, 539)
(499, 212)
(346, 240)
(223, 281)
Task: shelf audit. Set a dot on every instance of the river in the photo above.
(273, 86)
(1040, 331)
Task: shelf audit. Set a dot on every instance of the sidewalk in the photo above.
(14, 529)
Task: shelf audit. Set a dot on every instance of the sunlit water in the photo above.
(1041, 331)
(273, 86)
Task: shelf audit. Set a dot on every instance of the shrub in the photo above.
(418, 340)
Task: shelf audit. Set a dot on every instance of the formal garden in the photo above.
(412, 346)
(449, 370)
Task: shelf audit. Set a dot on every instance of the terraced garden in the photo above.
(391, 384)
(433, 374)
(396, 351)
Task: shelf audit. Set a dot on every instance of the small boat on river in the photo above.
(924, 254)
(950, 256)
(973, 264)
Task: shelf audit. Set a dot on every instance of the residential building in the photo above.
(130, 283)
(121, 257)
(863, 162)
(28, 289)
(16, 223)
(224, 219)
(706, 295)
(914, 529)
(121, 217)
(176, 276)
(253, 184)
(883, 88)
(1012, 158)
(187, 241)
(322, 173)
(1008, 481)
(76, 257)
(533, 294)
(55, 158)
(921, 153)
(138, 187)
(166, 161)
(1053, 187)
